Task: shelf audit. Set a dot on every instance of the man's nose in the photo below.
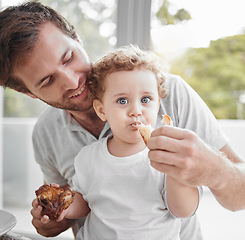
(70, 79)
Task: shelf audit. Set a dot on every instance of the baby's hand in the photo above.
(62, 216)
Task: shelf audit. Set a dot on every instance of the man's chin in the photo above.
(74, 108)
(83, 106)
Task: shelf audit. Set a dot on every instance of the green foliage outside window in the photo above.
(217, 73)
(167, 18)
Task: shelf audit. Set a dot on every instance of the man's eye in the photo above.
(122, 101)
(68, 57)
(47, 82)
(145, 99)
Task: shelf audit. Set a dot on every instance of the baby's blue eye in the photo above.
(122, 101)
(145, 99)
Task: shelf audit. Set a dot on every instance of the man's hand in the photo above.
(44, 226)
(182, 155)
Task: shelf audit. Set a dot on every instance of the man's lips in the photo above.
(80, 91)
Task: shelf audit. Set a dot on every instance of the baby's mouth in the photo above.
(135, 124)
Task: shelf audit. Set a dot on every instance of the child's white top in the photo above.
(125, 196)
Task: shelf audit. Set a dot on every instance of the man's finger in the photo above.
(55, 185)
(37, 212)
(164, 157)
(45, 219)
(169, 131)
(165, 168)
(164, 143)
(35, 203)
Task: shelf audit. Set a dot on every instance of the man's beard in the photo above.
(85, 105)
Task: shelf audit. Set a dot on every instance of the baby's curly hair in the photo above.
(126, 58)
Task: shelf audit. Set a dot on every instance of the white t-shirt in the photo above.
(127, 197)
(57, 138)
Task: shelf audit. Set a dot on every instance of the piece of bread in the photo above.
(146, 130)
(54, 200)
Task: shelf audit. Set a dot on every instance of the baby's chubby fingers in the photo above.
(62, 216)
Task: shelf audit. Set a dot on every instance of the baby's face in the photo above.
(130, 98)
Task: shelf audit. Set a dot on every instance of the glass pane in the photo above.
(207, 50)
(95, 23)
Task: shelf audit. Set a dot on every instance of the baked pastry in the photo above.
(54, 200)
(146, 130)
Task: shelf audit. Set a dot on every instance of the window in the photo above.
(207, 50)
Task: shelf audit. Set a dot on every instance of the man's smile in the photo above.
(79, 92)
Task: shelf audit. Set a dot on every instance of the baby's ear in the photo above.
(99, 109)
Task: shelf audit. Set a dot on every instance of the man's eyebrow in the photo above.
(61, 59)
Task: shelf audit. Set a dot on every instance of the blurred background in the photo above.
(202, 41)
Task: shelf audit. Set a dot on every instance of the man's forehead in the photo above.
(49, 32)
(48, 49)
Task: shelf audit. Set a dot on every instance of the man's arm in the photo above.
(182, 155)
(230, 192)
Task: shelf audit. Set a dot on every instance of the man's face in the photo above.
(56, 70)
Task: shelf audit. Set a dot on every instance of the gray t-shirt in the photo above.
(57, 138)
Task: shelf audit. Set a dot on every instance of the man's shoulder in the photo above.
(174, 84)
(49, 117)
(173, 80)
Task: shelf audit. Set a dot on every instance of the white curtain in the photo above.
(133, 23)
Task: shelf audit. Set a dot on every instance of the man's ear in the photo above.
(99, 109)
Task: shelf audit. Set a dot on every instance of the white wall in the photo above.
(235, 130)
(22, 175)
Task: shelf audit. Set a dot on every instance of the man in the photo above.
(42, 57)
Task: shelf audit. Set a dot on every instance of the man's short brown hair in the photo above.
(19, 28)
